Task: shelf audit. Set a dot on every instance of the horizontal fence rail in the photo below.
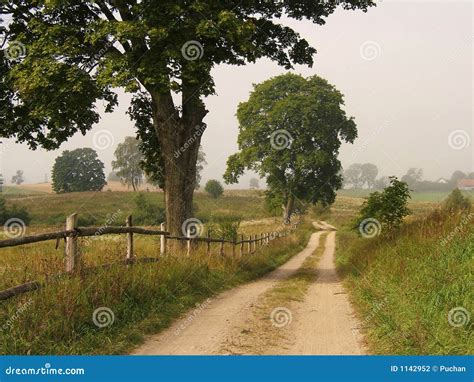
(72, 253)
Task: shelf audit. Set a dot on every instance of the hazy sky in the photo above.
(405, 68)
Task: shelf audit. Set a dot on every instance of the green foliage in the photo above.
(77, 54)
(147, 212)
(405, 286)
(13, 212)
(127, 162)
(214, 188)
(78, 170)
(290, 131)
(389, 207)
(456, 202)
(225, 226)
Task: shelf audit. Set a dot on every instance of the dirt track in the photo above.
(323, 322)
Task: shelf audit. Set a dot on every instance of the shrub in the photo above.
(13, 212)
(214, 188)
(456, 202)
(388, 207)
(225, 227)
(146, 212)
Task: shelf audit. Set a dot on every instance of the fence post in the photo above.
(222, 248)
(208, 242)
(241, 245)
(188, 235)
(233, 249)
(261, 239)
(71, 244)
(249, 247)
(162, 240)
(128, 223)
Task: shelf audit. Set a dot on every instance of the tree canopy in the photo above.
(61, 59)
(290, 131)
(127, 162)
(361, 174)
(78, 170)
(18, 177)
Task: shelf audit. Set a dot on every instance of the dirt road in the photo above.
(321, 324)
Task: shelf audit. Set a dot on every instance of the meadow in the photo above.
(411, 289)
(402, 286)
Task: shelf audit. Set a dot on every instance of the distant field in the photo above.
(96, 207)
(50, 209)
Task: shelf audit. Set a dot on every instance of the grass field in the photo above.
(144, 298)
(405, 287)
(94, 208)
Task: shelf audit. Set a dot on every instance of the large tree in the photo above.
(127, 162)
(18, 177)
(62, 58)
(78, 170)
(353, 175)
(369, 174)
(290, 131)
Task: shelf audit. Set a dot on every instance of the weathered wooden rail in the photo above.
(72, 253)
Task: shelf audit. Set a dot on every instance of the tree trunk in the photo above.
(288, 209)
(180, 138)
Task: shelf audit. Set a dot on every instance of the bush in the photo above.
(388, 207)
(13, 212)
(214, 188)
(225, 227)
(456, 202)
(146, 212)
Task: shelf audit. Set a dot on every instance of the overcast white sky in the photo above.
(405, 68)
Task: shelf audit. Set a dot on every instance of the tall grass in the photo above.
(144, 298)
(404, 286)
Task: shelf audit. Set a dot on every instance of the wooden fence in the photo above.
(73, 232)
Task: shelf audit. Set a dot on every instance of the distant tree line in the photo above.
(364, 176)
